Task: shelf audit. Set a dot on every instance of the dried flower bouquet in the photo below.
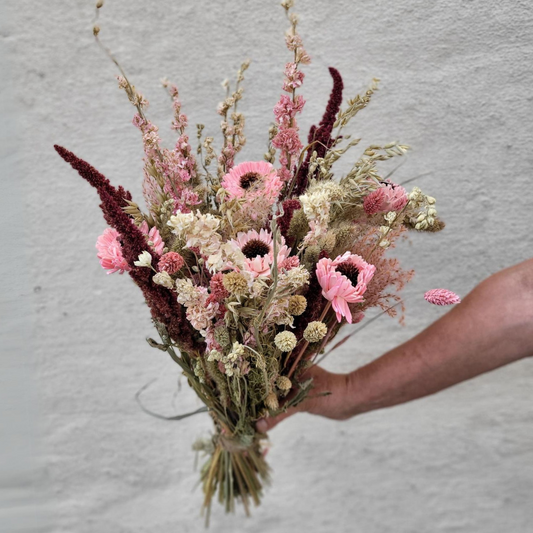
(251, 269)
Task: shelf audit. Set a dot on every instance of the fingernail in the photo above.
(261, 426)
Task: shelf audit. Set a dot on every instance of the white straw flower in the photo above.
(145, 260)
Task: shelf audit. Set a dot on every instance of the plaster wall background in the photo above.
(79, 455)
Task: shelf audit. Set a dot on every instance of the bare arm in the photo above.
(492, 327)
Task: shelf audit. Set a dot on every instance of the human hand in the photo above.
(334, 405)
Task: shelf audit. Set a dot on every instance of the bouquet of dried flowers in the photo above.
(250, 269)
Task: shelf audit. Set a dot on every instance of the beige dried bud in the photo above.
(284, 383)
(315, 331)
(96, 30)
(99, 4)
(285, 341)
(297, 304)
(235, 283)
(271, 401)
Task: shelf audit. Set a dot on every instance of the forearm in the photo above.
(492, 327)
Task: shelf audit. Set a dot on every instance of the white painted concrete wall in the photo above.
(456, 85)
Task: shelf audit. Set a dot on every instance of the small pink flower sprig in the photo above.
(442, 297)
(287, 139)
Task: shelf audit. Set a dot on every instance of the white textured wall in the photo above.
(456, 85)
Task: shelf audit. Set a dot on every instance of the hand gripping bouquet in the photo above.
(250, 269)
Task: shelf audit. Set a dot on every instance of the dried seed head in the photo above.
(235, 283)
(285, 341)
(272, 402)
(284, 383)
(99, 4)
(96, 30)
(297, 305)
(315, 331)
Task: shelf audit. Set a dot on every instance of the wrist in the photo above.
(357, 400)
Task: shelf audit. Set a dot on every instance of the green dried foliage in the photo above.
(299, 226)
(220, 379)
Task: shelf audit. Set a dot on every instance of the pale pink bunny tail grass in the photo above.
(442, 297)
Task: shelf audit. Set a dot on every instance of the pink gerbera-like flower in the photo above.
(252, 179)
(110, 252)
(343, 281)
(442, 297)
(258, 249)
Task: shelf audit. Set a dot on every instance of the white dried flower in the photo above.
(145, 260)
(285, 341)
(215, 355)
(297, 277)
(181, 222)
(164, 279)
(188, 294)
(390, 217)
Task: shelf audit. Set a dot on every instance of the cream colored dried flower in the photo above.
(285, 341)
(271, 402)
(298, 277)
(181, 222)
(315, 331)
(145, 260)
(164, 279)
(235, 283)
(284, 383)
(297, 304)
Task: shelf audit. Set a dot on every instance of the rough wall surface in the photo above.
(456, 85)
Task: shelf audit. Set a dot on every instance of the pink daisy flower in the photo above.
(442, 297)
(344, 281)
(259, 251)
(110, 252)
(252, 179)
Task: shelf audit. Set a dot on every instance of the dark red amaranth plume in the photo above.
(284, 222)
(320, 136)
(163, 306)
(95, 178)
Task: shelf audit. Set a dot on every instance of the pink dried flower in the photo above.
(287, 139)
(375, 201)
(217, 287)
(110, 252)
(294, 77)
(152, 237)
(289, 263)
(171, 263)
(253, 179)
(344, 281)
(389, 197)
(259, 252)
(285, 110)
(442, 297)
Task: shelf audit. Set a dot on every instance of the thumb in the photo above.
(263, 425)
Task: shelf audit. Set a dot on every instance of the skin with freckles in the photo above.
(492, 327)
